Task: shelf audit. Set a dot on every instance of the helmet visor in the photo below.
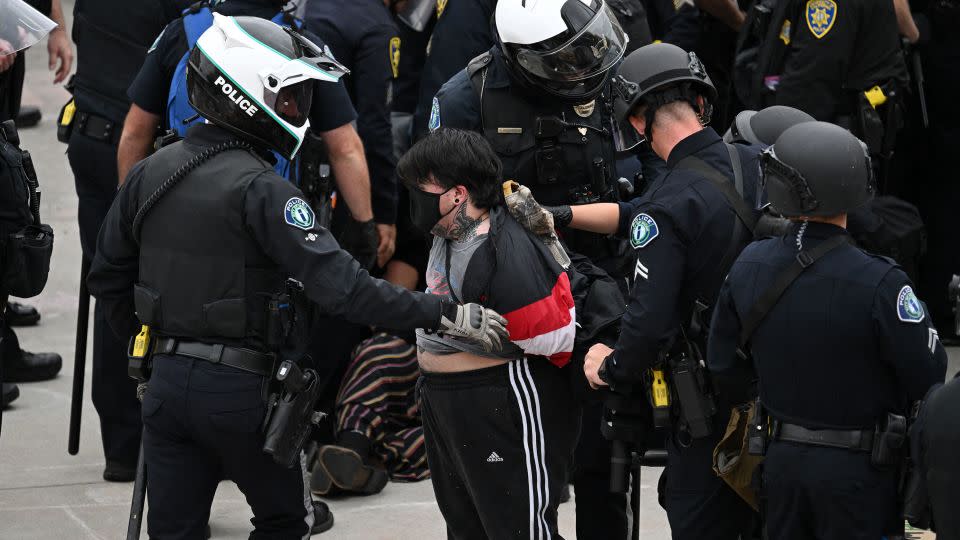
(292, 103)
(417, 13)
(21, 26)
(594, 50)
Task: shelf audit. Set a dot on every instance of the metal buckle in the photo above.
(804, 259)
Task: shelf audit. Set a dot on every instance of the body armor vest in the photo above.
(563, 153)
(201, 276)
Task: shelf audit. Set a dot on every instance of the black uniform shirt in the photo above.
(149, 91)
(362, 35)
(330, 276)
(680, 230)
(846, 343)
(117, 34)
(457, 103)
(836, 49)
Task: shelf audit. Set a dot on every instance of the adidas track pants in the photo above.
(499, 441)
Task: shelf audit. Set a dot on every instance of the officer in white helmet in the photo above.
(224, 265)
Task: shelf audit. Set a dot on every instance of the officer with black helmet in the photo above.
(837, 341)
(764, 126)
(685, 231)
(215, 252)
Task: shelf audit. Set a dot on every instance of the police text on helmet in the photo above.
(236, 97)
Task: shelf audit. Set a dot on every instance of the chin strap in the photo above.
(681, 92)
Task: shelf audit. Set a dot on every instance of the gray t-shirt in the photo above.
(440, 282)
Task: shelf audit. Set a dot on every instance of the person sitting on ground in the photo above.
(379, 431)
(500, 428)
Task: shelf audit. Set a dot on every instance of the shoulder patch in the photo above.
(821, 14)
(642, 231)
(785, 32)
(434, 115)
(297, 213)
(395, 56)
(909, 308)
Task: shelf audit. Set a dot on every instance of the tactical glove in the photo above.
(361, 240)
(474, 322)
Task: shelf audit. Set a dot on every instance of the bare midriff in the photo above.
(456, 362)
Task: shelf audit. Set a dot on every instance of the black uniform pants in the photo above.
(202, 423)
(815, 493)
(499, 441)
(601, 515)
(700, 506)
(94, 165)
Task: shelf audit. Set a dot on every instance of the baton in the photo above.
(79, 360)
(139, 496)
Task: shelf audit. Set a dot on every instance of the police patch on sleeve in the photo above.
(434, 115)
(395, 56)
(909, 308)
(298, 213)
(642, 231)
(821, 15)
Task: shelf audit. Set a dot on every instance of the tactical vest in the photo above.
(564, 159)
(201, 276)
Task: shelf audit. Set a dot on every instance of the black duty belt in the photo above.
(245, 359)
(98, 127)
(860, 439)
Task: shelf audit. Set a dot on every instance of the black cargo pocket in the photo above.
(227, 318)
(28, 255)
(242, 421)
(147, 303)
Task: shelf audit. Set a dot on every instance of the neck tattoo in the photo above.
(463, 227)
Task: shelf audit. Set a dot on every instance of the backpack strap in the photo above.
(769, 298)
(195, 24)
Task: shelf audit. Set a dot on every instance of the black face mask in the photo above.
(425, 209)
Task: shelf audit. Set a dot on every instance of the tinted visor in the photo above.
(595, 49)
(21, 26)
(292, 103)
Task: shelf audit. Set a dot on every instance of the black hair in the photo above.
(452, 157)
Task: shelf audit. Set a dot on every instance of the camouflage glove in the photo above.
(474, 322)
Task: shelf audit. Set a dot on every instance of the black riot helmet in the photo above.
(563, 47)
(255, 78)
(655, 75)
(764, 126)
(816, 169)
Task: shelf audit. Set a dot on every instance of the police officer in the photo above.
(764, 126)
(200, 242)
(938, 443)
(153, 86)
(118, 34)
(685, 231)
(364, 37)
(541, 96)
(819, 55)
(836, 339)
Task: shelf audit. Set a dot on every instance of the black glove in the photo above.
(562, 215)
(475, 323)
(360, 239)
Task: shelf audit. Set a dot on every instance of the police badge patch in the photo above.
(434, 115)
(298, 213)
(395, 56)
(909, 308)
(821, 15)
(642, 231)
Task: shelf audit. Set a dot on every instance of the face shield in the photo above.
(21, 26)
(591, 52)
(625, 137)
(417, 13)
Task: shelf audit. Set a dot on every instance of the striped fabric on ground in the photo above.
(377, 398)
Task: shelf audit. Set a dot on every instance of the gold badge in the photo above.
(585, 110)
(441, 5)
(395, 56)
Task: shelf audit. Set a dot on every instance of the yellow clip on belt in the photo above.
(875, 96)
